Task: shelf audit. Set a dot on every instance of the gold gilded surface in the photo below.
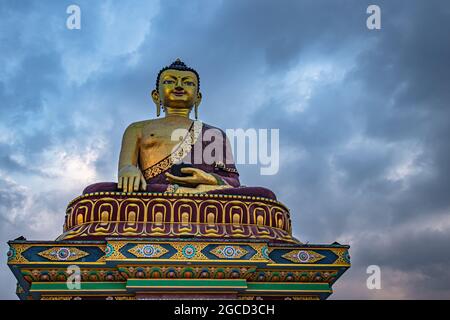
(180, 151)
(177, 214)
(229, 252)
(115, 253)
(113, 229)
(244, 210)
(148, 250)
(63, 254)
(341, 253)
(303, 256)
(18, 250)
(184, 250)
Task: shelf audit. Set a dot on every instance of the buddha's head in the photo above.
(177, 88)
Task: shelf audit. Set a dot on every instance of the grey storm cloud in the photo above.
(365, 161)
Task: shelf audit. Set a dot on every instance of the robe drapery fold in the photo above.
(191, 152)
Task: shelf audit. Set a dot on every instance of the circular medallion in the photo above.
(189, 251)
(63, 254)
(148, 250)
(11, 253)
(229, 252)
(346, 257)
(303, 256)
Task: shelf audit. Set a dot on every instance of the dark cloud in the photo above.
(413, 261)
(401, 104)
(10, 197)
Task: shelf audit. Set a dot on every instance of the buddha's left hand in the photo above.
(197, 176)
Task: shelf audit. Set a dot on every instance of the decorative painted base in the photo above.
(158, 268)
(97, 215)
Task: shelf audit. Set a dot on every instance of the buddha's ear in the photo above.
(155, 96)
(199, 99)
(157, 101)
(197, 103)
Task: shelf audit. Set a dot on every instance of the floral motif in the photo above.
(189, 251)
(148, 251)
(63, 254)
(303, 256)
(229, 252)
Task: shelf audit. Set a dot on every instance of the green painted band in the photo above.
(288, 286)
(84, 286)
(176, 283)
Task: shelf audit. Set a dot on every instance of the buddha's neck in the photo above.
(180, 112)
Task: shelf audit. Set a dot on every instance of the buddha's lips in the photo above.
(179, 94)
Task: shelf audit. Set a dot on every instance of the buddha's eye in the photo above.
(168, 81)
(189, 83)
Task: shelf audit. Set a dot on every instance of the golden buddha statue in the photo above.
(149, 150)
(167, 154)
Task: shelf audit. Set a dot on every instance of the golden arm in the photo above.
(129, 176)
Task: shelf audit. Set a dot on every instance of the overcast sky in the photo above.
(364, 116)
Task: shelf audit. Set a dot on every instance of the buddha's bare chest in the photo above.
(158, 140)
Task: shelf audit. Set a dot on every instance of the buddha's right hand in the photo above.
(131, 179)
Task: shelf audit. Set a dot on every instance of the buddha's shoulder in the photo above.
(138, 125)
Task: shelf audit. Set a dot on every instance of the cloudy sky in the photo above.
(364, 116)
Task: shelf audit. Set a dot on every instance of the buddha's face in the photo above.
(178, 89)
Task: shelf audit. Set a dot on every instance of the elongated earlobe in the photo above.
(197, 103)
(158, 109)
